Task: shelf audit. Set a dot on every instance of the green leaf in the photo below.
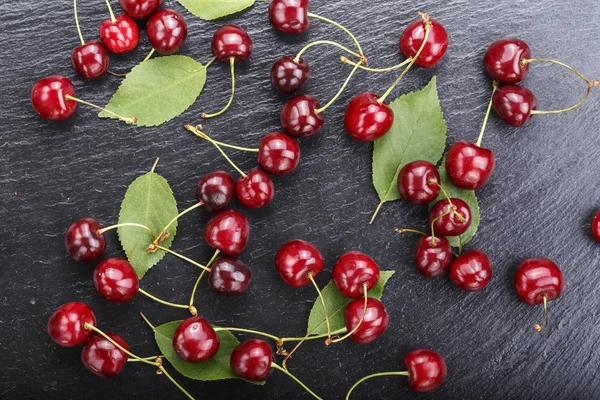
(148, 201)
(214, 9)
(214, 369)
(158, 90)
(336, 304)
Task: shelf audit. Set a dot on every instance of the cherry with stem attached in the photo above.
(119, 34)
(90, 60)
(433, 254)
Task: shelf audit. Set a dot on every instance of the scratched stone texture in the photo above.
(538, 204)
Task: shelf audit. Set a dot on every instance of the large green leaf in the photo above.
(336, 304)
(214, 9)
(158, 90)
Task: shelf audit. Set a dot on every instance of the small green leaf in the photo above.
(158, 90)
(336, 304)
(214, 9)
(148, 201)
(216, 368)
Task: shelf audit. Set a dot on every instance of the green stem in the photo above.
(539, 327)
(347, 335)
(339, 26)
(127, 120)
(108, 228)
(487, 114)
(77, 22)
(212, 60)
(166, 303)
(183, 258)
(181, 214)
(298, 381)
(338, 94)
(321, 42)
(147, 321)
(297, 339)
(145, 358)
(376, 212)
(117, 345)
(193, 296)
(164, 371)
(250, 331)
(433, 223)
(345, 60)
(213, 258)
(404, 230)
(312, 280)
(149, 55)
(399, 373)
(232, 68)
(112, 15)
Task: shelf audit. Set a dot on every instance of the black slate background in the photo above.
(539, 203)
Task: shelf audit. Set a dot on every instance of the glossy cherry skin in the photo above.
(435, 48)
(289, 75)
(450, 225)
(166, 31)
(48, 98)
(502, 60)
(139, 9)
(596, 226)
(66, 325)
(252, 360)
(289, 16)
(228, 232)
(278, 154)
(296, 260)
(102, 357)
(215, 190)
(256, 190)
(229, 276)
(469, 166)
(433, 257)
(536, 278)
(83, 242)
(366, 120)
(352, 271)
(231, 41)
(374, 324)
(471, 271)
(90, 60)
(426, 368)
(120, 36)
(116, 280)
(514, 104)
(419, 182)
(195, 340)
(298, 116)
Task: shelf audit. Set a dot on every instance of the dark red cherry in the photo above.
(228, 232)
(469, 166)
(366, 120)
(450, 225)
(120, 36)
(419, 182)
(373, 325)
(48, 98)
(229, 276)
(289, 16)
(90, 60)
(435, 48)
(278, 154)
(502, 60)
(536, 278)
(433, 257)
(255, 190)
(166, 30)
(426, 368)
(514, 104)
(231, 41)
(139, 9)
(83, 242)
(289, 75)
(471, 271)
(296, 260)
(298, 116)
(102, 357)
(596, 226)
(116, 280)
(215, 190)
(66, 325)
(352, 271)
(252, 360)
(195, 340)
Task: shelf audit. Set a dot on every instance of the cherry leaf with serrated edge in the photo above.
(158, 90)
(215, 9)
(336, 304)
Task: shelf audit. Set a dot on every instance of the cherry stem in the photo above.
(321, 42)
(77, 22)
(108, 71)
(312, 280)
(538, 327)
(89, 326)
(232, 68)
(345, 60)
(344, 29)
(127, 120)
(112, 15)
(487, 114)
(229, 146)
(193, 296)
(298, 339)
(147, 321)
(376, 212)
(404, 230)
(338, 94)
(164, 371)
(158, 247)
(145, 358)
(161, 236)
(250, 331)
(285, 371)
(447, 196)
(212, 60)
(347, 335)
(149, 55)
(155, 164)
(166, 303)
(398, 373)
(433, 223)
(126, 224)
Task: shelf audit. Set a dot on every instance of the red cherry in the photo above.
(229, 276)
(83, 241)
(469, 166)
(252, 360)
(536, 278)
(90, 60)
(502, 60)
(166, 30)
(374, 323)
(352, 271)
(195, 340)
(450, 225)
(435, 48)
(102, 357)
(255, 190)
(116, 280)
(296, 260)
(231, 41)
(366, 120)
(471, 271)
(66, 325)
(289, 16)
(596, 226)
(298, 116)
(289, 75)
(48, 98)
(433, 257)
(514, 104)
(215, 190)
(228, 232)
(139, 9)
(120, 36)
(278, 154)
(419, 182)
(426, 368)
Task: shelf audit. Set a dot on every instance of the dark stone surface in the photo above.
(539, 203)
